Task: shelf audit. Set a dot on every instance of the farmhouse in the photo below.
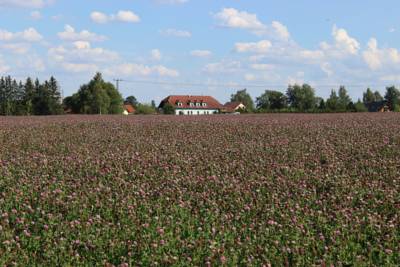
(192, 105)
(378, 106)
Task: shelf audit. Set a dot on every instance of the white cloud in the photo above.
(81, 52)
(128, 69)
(327, 68)
(69, 34)
(233, 18)
(156, 54)
(4, 68)
(99, 17)
(172, 2)
(176, 33)
(249, 77)
(343, 45)
(259, 47)
(281, 30)
(122, 16)
(80, 67)
(36, 15)
(29, 35)
(224, 66)
(16, 48)
(263, 67)
(24, 3)
(376, 58)
(391, 30)
(201, 53)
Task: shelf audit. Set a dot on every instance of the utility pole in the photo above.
(117, 81)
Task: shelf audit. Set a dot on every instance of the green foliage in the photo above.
(96, 97)
(29, 98)
(360, 106)
(168, 109)
(301, 98)
(145, 109)
(271, 100)
(392, 97)
(245, 98)
(370, 97)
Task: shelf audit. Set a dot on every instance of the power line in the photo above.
(239, 85)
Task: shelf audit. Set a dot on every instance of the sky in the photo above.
(203, 47)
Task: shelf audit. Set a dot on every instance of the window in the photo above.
(191, 104)
(198, 104)
(204, 104)
(198, 112)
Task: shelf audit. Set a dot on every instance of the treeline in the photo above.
(302, 98)
(29, 97)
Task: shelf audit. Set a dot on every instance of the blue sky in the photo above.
(162, 47)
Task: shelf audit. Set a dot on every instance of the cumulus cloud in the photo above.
(343, 44)
(16, 48)
(122, 16)
(156, 54)
(376, 57)
(29, 35)
(233, 18)
(259, 47)
(128, 69)
(24, 3)
(201, 53)
(69, 34)
(81, 52)
(225, 66)
(176, 33)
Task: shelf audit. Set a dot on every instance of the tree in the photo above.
(132, 101)
(368, 97)
(243, 97)
(322, 105)
(29, 96)
(332, 103)
(392, 97)
(301, 98)
(271, 100)
(168, 109)
(343, 100)
(378, 96)
(96, 97)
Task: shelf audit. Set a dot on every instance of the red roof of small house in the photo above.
(129, 108)
(232, 106)
(183, 101)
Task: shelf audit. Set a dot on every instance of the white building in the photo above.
(192, 105)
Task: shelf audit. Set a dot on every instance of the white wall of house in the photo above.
(196, 111)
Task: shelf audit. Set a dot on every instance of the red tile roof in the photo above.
(232, 106)
(185, 100)
(129, 108)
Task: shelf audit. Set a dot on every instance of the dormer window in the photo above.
(191, 104)
(179, 104)
(198, 104)
(204, 104)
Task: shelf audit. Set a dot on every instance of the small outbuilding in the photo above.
(129, 109)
